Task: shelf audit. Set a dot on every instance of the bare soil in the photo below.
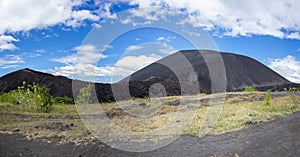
(279, 137)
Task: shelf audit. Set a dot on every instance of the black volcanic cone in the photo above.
(241, 72)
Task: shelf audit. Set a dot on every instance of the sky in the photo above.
(104, 41)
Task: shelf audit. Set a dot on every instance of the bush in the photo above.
(294, 89)
(249, 89)
(9, 97)
(63, 100)
(84, 95)
(267, 98)
(33, 96)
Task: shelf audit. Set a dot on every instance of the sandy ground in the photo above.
(280, 137)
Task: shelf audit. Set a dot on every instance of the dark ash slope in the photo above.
(241, 72)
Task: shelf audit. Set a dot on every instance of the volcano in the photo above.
(232, 72)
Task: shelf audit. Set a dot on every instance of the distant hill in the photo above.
(241, 72)
(58, 85)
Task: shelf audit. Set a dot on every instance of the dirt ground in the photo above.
(280, 137)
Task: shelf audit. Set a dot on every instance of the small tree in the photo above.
(84, 94)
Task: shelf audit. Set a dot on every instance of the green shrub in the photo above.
(63, 100)
(249, 89)
(9, 97)
(267, 98)
(294, 89)
(84, 95)
(33, 96)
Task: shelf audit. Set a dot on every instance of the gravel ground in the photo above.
(276, 138)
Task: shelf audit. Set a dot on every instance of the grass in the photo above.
(160, 117)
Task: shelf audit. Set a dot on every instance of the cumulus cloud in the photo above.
(86, 54)
(82, 63)
(31, 14)
(129, 64)
(82, 70)
(104, 10)
(6, 42)
(233, 18)
(289, 67)
(223, 18)
(10, 61)
(124, 67)
(295, 35)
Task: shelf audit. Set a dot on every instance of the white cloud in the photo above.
(294, 35)
(223, 18)
(9, 66)
(129, 64)
(82, 63)
(289, 67)
(82, 70)
(231, 18)
(71, 59)
(86, 54)
(6, 43)
(10, 61)
(168, 50)
(133, 48)
(25, 15)
(85, 66)
(104, 10)
(165, 40)
(160, 38)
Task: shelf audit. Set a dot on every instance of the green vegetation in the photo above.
(33, 97)
(294, 89)
(9, 97)
(249, 89)
(267, 98)
(62, 100)
(84, 96)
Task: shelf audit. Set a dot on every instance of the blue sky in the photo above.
(95, 40)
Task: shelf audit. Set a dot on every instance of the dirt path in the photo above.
(277, 138)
